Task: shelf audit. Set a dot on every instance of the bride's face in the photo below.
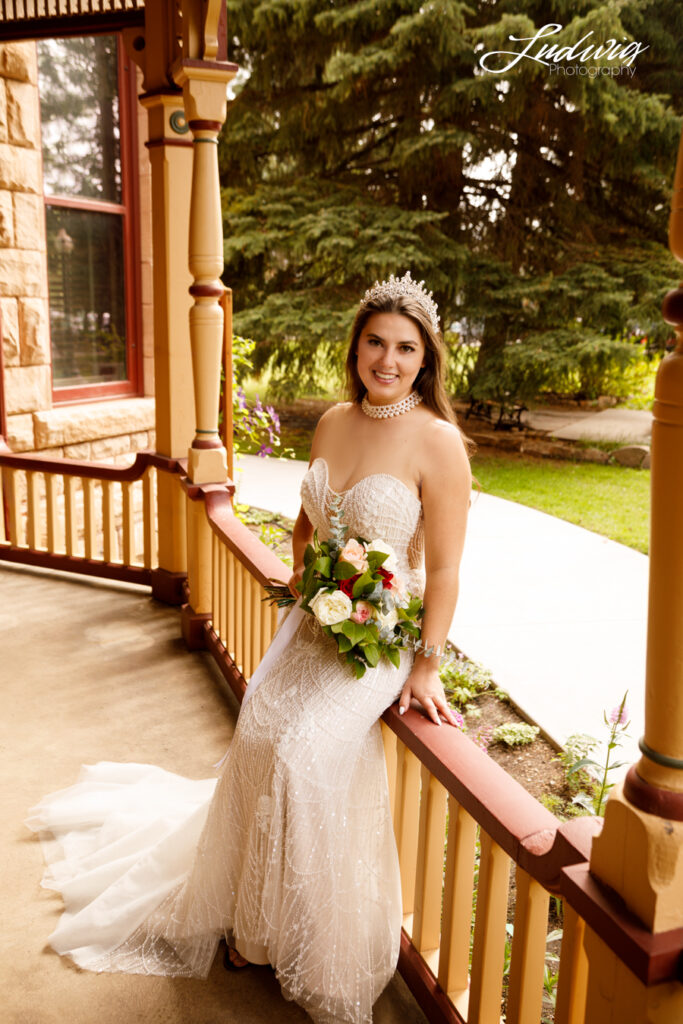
(390, 354)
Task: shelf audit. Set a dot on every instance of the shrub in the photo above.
(517, 734)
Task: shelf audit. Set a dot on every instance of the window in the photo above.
(87, 97)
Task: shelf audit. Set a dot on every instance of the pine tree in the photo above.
(367, 139)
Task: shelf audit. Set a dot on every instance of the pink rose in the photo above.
(361, 613)
(354, 553)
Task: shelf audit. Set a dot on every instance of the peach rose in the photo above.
(362, 612)
(354, 553)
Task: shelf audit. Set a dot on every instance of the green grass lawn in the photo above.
(609, 500)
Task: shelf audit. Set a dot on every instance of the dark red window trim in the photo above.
(129, 210)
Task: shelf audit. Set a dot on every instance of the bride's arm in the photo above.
(302, 535)
(446, 487)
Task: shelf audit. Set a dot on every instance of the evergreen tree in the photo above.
(367, 139)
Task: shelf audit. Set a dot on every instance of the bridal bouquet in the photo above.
(353, 589)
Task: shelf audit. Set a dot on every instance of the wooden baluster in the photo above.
(128, 525)
(238, 614)
(246, 623)
(390, 755)
(108, 522)
(33, 530)
(149, 555)
(230, 604)
(429, 869)
(266, 628)
(488, 954)
(525, 990)
(223, 585)
(4, 528)
(256, 609)
(16, 523)
(216, 585)
(55, 523)
(405, 826)
(572, 987)
(457, 905)
(89, 517)
(71, 514)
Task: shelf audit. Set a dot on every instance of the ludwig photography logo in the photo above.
(619, 55)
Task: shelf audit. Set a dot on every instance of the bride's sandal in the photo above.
(234, 961)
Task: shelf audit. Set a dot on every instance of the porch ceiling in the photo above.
(31, 19)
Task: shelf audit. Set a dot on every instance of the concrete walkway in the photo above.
(556, 612)
(93, 671)
(626, 426)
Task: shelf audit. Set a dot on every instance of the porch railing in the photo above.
(82, 517)
(474, 941)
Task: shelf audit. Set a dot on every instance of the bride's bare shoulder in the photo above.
(442, 446)
(330, 423)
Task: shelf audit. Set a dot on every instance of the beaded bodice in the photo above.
(377, 506)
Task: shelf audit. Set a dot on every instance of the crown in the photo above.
(405, 285)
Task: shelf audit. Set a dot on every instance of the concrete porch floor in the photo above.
(91, 671)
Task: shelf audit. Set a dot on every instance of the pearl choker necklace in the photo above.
(382, 412)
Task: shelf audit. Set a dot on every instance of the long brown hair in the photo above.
(430, 381)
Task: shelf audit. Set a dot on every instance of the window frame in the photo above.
(129, 210)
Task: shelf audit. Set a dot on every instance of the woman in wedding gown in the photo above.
(290, 853)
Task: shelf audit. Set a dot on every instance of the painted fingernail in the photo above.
(401, 711)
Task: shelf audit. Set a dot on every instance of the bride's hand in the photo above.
(427, 688)
(295, 578)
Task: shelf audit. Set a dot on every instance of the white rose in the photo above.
(330, 607)
(390, 563)
(386, 620)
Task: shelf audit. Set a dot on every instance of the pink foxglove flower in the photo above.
(619, 715)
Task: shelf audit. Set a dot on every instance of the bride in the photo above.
(289, 855)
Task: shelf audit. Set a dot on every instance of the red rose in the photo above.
(387, 578)
(346, 586)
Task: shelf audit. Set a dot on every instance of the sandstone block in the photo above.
(592, 455)
(6, 221)
(27, 388)
(645, 464)
(3, 111)
(75, 423)
(77, 451)
(22, 114)
(631, 455)
(9, 311)
(108, 447)
(20, 169)
(138, 441)
(33, 332)
(20, 432)
(18, 60)
(29, 221)
(22, 272)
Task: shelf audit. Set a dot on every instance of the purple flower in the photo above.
(459, 720)
(619, 715)
(264, 450)
(241, 398)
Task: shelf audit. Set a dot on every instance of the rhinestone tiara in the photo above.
(405, 285)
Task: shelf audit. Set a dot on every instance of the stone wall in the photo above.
(23, 268)
(97, 430)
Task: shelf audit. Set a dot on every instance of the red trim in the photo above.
(431, 998)
(75, 25)
(652, 958)
(664, 803)
(81, 566)
(227, 666)
(91, 470)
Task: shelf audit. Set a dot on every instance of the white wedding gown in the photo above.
(290, 853)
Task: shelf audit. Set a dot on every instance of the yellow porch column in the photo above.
(204, 81)
(639, 853)
(169, 144)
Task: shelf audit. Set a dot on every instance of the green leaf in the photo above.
(344, 643)
(363, 585)
(309, 555)
(324, 566)
(376, 558)
(371, 652)
(359, 668)
(394, 656)
(344, 571)
(353, 631)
